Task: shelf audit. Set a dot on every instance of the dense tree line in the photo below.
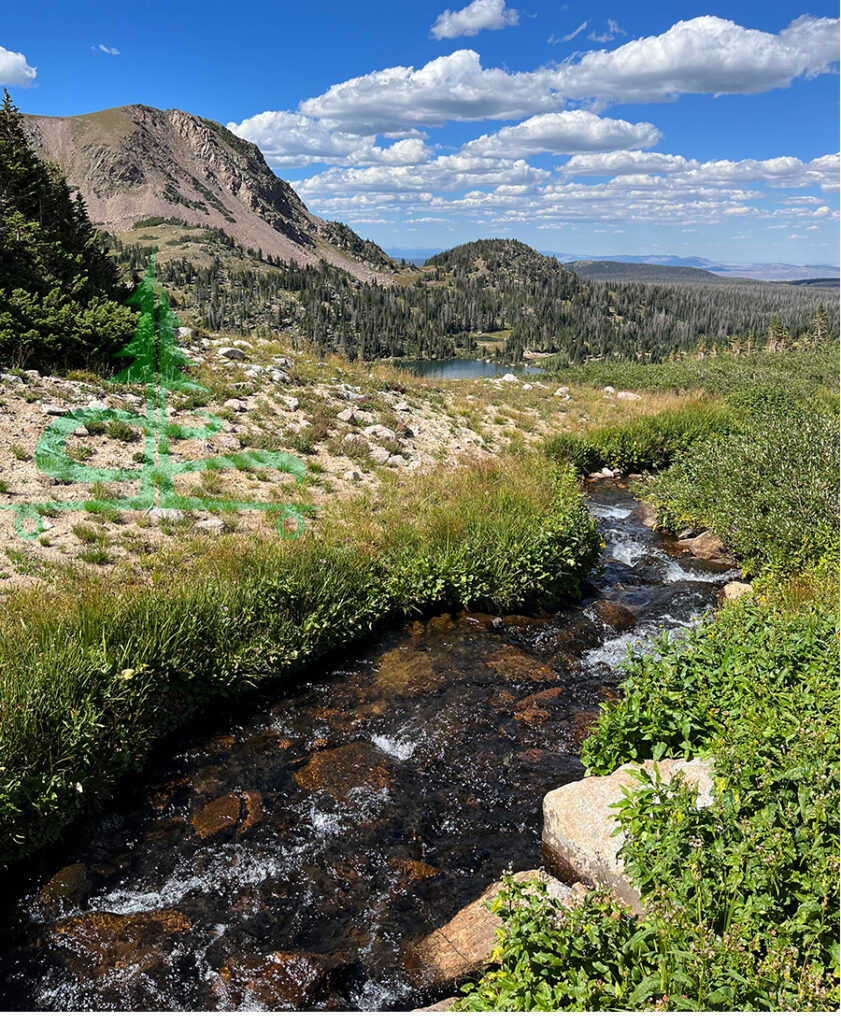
(485, 287)
(60, 290)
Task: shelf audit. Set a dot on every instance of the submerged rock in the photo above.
(614, 615)
(67, 888)
(276, 981)
(220, 813)
(90, 945)
(341, 770)
(514, 666)
(579, 822)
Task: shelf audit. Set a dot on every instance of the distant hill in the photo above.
(818, 282)
(607, 270)
(783, 272)
(140, 164)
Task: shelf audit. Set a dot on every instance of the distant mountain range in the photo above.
(790, 272)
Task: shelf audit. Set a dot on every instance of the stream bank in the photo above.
(296, 856)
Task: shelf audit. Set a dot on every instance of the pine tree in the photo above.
(157, 357)
(60, 297)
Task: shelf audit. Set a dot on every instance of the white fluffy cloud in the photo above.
(704, 55)
(569, 131)
(470, 20)
(14, 70)
(293, 140)
(452, 173)
(112, 50)
(782, 171)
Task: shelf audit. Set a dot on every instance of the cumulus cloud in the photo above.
(452, 173)
(569, 131)
(14, 70)
(470, 20)
(704, 55)
(782, 171)
(293, 140)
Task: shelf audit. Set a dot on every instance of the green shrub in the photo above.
(799, 373)
(741, 896)
(771, 495)
(119, 430)
(648, 442)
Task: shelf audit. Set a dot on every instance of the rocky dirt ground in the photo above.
(350, 423)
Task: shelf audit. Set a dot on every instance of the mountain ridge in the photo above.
(136, 162)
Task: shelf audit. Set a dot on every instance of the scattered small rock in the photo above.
(168, 515)
(609, 392)
(736, 590)
(290, 402)
(628, 396)
(380, 432)
(210, 525)
(229, 352)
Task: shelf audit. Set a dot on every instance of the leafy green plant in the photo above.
(770, 494)
(742, 903)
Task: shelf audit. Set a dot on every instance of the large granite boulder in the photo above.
(579, 821)
(463, 946)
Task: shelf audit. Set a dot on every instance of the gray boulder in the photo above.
(579, 821)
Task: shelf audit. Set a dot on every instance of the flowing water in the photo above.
(291, 853)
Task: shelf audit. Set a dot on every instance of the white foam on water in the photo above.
(375, 995)
(395, 746)
(627, 551)
(675, 573)
(615, 651)
(229, 864)
(609, 512)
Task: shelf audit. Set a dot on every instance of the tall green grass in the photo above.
(647, 442)
(92, 675)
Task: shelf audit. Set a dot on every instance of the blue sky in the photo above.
(593, 128)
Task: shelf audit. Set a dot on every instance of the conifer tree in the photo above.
(60, 297)
(157, 357)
